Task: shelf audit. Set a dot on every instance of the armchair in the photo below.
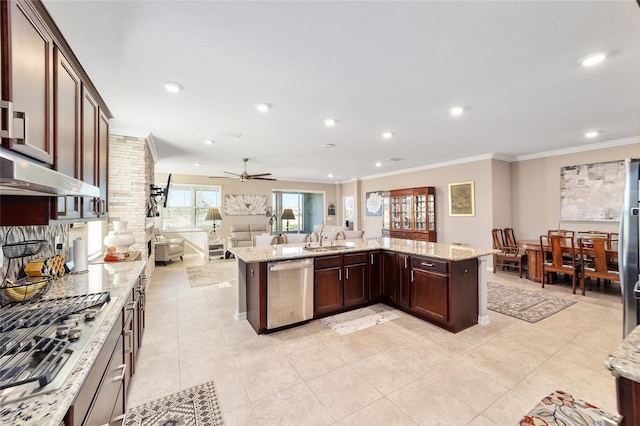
(167, 249)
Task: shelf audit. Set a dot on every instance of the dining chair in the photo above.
(563, 232)
(509, 256)
(510, 239)
(264, 240)
(295, 238)
(559, 256)
(595, 264)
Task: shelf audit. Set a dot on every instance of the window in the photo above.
(307, 209)
(188, 205)
(349, 215)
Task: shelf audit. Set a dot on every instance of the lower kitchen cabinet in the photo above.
(328, 285)
(429, 295)
(388, 265)
(375, 278)
(356, 284)
(403, 279)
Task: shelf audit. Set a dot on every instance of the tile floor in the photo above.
(405, 371)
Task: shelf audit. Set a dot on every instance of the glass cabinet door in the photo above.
(406, 212)
(396, 213)
(420, 213)
(431, 200)
(386, 218)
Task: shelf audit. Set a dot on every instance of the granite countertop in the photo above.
(118, 279)
(625, 360)
(420, 248)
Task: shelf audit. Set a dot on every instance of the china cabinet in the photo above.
(411, 214)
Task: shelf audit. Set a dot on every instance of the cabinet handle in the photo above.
(72, 184)
(131, 306)
(347, 271)
(428, 265)
(339, 274)
(7, 129)
(25, 126)
(405, 262)
(371, 258)
(412, 275)
(120, 378)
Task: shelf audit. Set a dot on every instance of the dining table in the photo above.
(535, 256)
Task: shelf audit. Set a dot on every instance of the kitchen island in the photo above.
(53, 408)
(624, 364)
(436, 282)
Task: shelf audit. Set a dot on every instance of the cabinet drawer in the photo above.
(441, 266)
(327, 262)
(355, 258)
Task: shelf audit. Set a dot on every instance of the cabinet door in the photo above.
(89, 150)
(356, 290)
(67, 89)
(407, 217)
(389, 275)
(27, 64)
(328, 290)
(103, 161)
(403, 272)
(375, 278)
(396, 212)
(430, 295)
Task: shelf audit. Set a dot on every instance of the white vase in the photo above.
(120, 237)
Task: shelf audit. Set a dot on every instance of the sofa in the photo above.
(167, 249)
(242, 235)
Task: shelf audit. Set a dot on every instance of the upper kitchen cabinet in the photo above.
(27, 74)
(411, 214)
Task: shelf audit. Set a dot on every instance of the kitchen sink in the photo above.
(318, 249)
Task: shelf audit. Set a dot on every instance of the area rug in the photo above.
(359, 319)
(562, 409)
(216, 273)
(197, 406)
(524, 304)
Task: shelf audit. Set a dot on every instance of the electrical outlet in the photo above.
(57, 241)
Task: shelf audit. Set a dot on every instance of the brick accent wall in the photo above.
(130, 174)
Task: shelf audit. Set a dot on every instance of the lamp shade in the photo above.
(288, 214)
(213, 214)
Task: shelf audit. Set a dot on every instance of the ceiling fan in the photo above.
(246, 176)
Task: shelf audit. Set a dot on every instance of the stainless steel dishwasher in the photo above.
(289, 292)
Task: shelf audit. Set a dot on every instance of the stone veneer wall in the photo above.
(130, 162)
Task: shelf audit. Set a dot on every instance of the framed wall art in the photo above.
(374, 203)
(245, 205)
(462, 199)
(331, 209)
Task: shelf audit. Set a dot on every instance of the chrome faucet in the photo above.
(320, 236)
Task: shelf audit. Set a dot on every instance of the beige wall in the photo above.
(253, 187)
(501, 194)
(535, 191)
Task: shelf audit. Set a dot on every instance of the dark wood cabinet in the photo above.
(66, 124)
(328, 285)
(103, 162)
(356, 284)
(375, 275)
(89, 143)
(430, 294)
(255, 277)
(412, 214)
(388, 265)
(403, 279)
(27, 77)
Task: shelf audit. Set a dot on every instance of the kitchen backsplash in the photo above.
(12, 268)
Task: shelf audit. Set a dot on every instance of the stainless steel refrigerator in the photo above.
(628, 247)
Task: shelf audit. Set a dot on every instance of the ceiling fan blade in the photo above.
(235, 174)
(220, 177)
(260, 175)
(262, 178)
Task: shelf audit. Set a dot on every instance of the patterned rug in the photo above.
(218, 273)
(197, 406)
(562, 409)
(524, 304)
(359, 319)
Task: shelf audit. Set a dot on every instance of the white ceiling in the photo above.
(373, 66)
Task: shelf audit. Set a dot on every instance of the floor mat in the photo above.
(359, 319)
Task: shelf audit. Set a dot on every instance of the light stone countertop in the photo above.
(118, 279)
(625, 360)
(420, 248)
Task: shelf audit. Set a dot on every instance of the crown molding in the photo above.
(581, 148)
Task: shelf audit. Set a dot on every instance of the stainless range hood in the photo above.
(22, 177)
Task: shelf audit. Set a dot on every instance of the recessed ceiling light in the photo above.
(263, 107)
(172, 87)
(592, 60)
(457, 110)
(330, 175)
(591, 134)
(197, 164)
(330, 122)
(328, 145)
(387, 135)
(378, 164)
(208, 141)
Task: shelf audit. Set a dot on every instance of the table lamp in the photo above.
(287, 214)
(213, 214)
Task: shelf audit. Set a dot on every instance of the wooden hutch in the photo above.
(410, 214)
